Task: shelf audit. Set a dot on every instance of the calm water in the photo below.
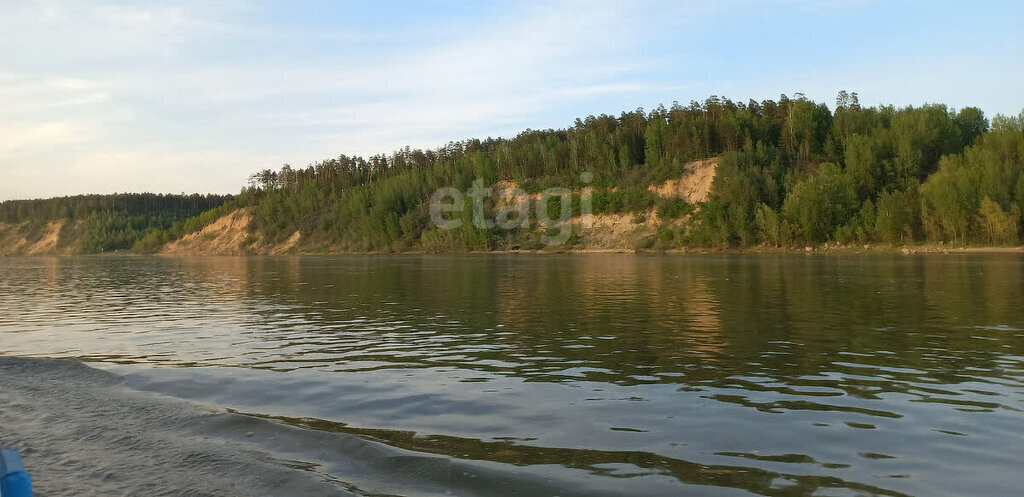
(516, 375)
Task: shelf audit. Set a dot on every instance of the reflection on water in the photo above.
(779, 375)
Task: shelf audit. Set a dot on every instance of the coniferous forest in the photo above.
(104, 223)
(790, 172)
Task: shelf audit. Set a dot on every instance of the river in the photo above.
(516, 375)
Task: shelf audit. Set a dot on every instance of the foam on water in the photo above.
(84, 431)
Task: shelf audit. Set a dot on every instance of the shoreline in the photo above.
(759, 250)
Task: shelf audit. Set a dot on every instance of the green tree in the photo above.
(897, 217)
(769, 226)
(972, 124)
(822, 202)
(950, 198)
(863, 164)
(1002, 228)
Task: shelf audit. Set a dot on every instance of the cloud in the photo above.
(191, 95)
(49, 134)
(23, 97)
(142, 80)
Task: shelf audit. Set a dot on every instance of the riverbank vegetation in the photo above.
(89, 224)
(887, 175)
(790, 172)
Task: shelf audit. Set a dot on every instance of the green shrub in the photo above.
(675, 207)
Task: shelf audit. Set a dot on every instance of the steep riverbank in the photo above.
(49, 238)
(233, 233)
(788, 173)
(229, 235)
(237, 233)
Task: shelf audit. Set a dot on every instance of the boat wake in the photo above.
(83, 431)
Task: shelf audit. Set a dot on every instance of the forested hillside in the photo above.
(789, 173)
(88, 224)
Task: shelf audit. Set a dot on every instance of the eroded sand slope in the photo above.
(230, 235)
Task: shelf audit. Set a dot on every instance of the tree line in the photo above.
(102, 223)
(895, 176)
(791, 172)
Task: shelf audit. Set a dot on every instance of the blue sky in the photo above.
(194, 95)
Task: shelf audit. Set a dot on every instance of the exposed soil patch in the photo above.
(694, 185)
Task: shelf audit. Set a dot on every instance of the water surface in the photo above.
(517, 375)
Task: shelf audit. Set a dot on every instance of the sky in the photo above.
(195, 95)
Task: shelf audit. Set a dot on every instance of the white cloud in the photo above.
(36, 136)
(135, 77)
(22, 97)
(190, 95)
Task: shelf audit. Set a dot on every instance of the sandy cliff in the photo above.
(229, 235)
(232, 235)
(51, 238)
